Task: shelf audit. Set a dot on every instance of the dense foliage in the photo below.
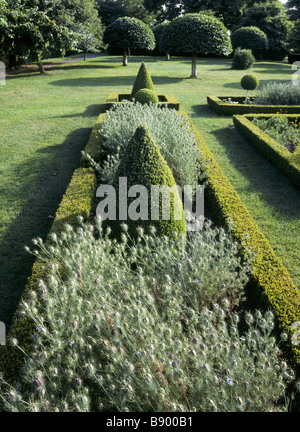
(196, 33)
(249, 38)
(170, 131)
(143, 80)
(278, 94)
(242, 59)
(129, 33)
(146, 96)
(143, 166)
(31, 29)
(270, 17)
(281, 129)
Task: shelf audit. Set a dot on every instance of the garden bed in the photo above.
(221, 107)
(287, 162)
(165, 100)
(271, 284)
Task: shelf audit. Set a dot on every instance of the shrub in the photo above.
(146, 96)
(249, 38)
(116, 339)
(242, 59)
(142, 164)
(170, 131)
(143, 80)
(249, 82)
(278, 94)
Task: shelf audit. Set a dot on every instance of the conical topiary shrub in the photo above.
(143, 165)
(143, 80)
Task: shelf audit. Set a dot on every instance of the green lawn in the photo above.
(46, 120)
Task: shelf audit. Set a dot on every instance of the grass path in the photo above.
(45, 121)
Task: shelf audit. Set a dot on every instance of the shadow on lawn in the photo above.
(43, 181)
(110, 81)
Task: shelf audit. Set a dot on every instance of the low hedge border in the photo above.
(93, 147)
(288, 163)
(77, 201)
(271, 285)
(171, 101)
(227, 109)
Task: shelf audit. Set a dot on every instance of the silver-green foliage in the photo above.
(145, 328)
(278, 94)
(170, 131)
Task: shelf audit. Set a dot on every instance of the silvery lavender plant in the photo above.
(170, 130)
(146, 328)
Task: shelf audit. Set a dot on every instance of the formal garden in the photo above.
(113, 303)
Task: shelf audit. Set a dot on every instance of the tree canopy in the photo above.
(194, 34)
(129, 33)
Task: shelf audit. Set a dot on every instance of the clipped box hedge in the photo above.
(164, 100)
(217, 104)
(288, 163)
(77, 201)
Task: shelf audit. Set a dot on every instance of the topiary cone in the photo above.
(143, 80)
(143, 165)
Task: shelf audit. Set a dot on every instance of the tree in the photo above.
(196, 34)
(165, 9)
(158, 32)
(110, 11)
(129, 33)
(250, 38)
(271, 17)
(294, 9)
(294, 37)
(228, 11)
(37, 27)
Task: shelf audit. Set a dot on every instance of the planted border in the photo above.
(288, 163)
(271, 284)
(116, 98)
(77, 201)
(226, 109)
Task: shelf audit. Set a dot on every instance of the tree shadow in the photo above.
(110, 81)
(237, 85)
(91, 111)
(44, 179)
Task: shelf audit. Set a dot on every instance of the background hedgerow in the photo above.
(147, 328)
(170, 131)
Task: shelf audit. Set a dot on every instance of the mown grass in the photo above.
(46, 120)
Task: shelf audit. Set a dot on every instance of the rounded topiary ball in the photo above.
(146, 96)
(249, 82)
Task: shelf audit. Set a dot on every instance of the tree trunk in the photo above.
(194, 66)
(128, 52)
(41, 67)
(167, 56)
(125, 57)
(85, 54)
